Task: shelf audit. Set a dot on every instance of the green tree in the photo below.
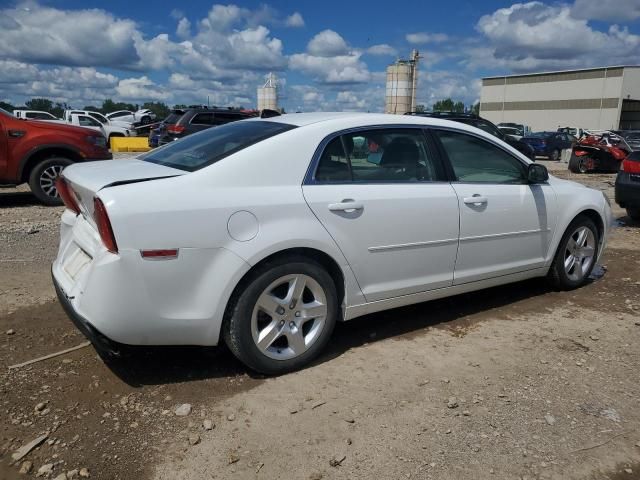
(91, 108)
(475, 108)
(7, 106)
(161, 109)
(421, 108)
(42, 104)
(448, 105)
(109, 106)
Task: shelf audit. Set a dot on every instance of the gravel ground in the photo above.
(513, 382)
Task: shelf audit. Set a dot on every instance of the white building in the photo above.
(605, 98)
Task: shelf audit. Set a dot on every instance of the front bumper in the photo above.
(627, 190)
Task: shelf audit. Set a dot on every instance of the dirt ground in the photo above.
(511, 383)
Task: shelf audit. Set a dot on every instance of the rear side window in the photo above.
(202, 119)
(476, 160)
(209, 146)
(378, 156)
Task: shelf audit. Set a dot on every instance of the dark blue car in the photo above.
(156, 133)
(549, 144)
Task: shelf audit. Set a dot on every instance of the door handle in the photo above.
(16, 133)
(346, 206)
(475, 200)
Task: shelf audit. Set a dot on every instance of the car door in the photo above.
(506, 224)
(382, 194)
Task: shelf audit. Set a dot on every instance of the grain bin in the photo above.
(268, 94)
(402, 79)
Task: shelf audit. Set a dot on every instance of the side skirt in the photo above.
(355, 311)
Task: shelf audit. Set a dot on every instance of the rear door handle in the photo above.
(475, 200)
(346, 206)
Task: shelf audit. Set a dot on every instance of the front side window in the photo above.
(476, 160)
(378, 155)
(213, 144)
(99, 118)
(86, 121)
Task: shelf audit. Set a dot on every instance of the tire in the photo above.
(633, 213)
(578, 165)
(146, 120)
(285, 329)
(42, 179)
(582, 165)
(565, 274)
(554, 155)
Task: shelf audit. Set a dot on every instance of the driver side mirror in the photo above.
(537, 173)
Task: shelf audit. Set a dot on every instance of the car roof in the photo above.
(303, 119)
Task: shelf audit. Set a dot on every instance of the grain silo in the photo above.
(402, 80)
(268, 94)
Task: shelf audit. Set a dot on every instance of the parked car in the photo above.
(111, 129)
(143, 116)
(627, 187)
(511, 131)
(483, 124)
(198, 119)
(155, 134)
(263, 233)
(522, 129)
(631, 137)
(35, 152)
(549, 144)
(603, 151)
(573, 131)
(34, 115)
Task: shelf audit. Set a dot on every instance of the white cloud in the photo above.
(382, 49)
(421, 38)
(183, 30)
(294, 20)
(606, 10)
(538, 36)
(73, 37)
(332, 70)
(141, 88)
(327, 44)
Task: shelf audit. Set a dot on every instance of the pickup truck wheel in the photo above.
(146, 120)
(42, 179)
(555, 155)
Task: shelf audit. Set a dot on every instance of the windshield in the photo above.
(207, 147)
(540, 134)
(509, 130)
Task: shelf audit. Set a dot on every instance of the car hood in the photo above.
(58, 125)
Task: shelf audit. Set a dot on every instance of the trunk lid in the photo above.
(87, 179)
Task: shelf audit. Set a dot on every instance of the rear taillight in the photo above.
(104, 225)
(631, 166)
(580, 153)
(67, 195)
(176, 129)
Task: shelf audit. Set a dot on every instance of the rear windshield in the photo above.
(207, 147)
(173, 117)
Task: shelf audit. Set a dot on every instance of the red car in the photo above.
(598, 151)
(36, 152)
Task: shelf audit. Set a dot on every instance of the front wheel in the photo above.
(146, 120)
(576, 255)
(283, 317)
(555, 155)
(42, 179)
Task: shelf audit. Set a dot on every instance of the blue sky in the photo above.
(328, 55)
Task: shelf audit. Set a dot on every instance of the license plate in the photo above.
(76, 263)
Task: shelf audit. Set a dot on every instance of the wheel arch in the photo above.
(589, 212)
(314, 254)
(43, 152)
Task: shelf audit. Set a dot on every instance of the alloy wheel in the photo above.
(289, 316)
(579, 253)
(48, 179)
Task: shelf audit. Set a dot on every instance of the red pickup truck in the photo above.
(35, 152)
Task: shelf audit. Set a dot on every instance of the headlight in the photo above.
(97, 140)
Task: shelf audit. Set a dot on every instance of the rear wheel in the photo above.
(555, 155)
(576, 255)
(283, 317)
(42, 179)
(633, 213)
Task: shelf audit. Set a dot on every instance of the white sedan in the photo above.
(265, 232)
